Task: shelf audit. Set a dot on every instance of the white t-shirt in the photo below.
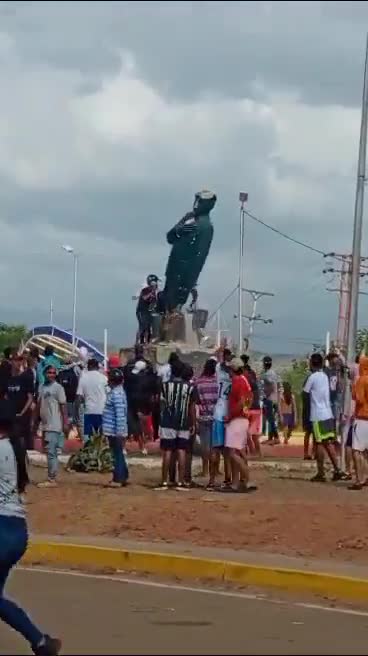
(92, 387)
(10, 503)
(224, 387)
(164, 372)
(318, 387)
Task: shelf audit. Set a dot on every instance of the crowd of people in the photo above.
(227, 407)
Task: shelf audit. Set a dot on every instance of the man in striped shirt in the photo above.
(115, 426)
(207, 395)
(177, 422)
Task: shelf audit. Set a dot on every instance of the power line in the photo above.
(283, 234)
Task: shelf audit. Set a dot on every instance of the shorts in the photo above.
(255, 422)
(360, 435)
(288, 420)
(205, 434)
(92, 424)
(218, 434)
(171, 439)
(324, 430)
(236, 435)
(348, 436)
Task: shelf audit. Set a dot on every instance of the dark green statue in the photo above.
(190, 239)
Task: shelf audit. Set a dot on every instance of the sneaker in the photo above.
(49, 647)
(246, 489)
(340, 476)
(162, 487)
(182, 487)
(114, 484)
(144, 452)
(356, 486)
(318, 478)
(48, 483)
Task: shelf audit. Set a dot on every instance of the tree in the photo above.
(12, 335)
(361, 344)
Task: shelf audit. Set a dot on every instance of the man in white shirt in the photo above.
(92, 393)
(322, 420)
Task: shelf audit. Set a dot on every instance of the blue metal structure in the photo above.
(61, 340)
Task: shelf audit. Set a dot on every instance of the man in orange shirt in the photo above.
(360, 426)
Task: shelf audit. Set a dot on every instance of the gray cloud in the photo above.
(114, 113)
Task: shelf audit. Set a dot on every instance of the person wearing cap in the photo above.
(141, 386)
(115, 426)
(92, 394)
(270, 383)
(145, 307)
(240, 399)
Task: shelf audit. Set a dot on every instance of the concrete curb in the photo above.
(189, 567)
(151, 462)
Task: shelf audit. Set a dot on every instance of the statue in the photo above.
(190, 239)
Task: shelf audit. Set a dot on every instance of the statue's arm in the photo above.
(185, 225)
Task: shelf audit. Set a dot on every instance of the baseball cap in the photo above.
(236, 363)
(114, 361)
(139, 366)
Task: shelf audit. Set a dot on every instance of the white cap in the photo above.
(139, 366)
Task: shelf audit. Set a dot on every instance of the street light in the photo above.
(70, 250)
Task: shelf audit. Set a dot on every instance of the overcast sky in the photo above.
(113, 114)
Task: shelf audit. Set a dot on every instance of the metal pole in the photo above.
(252, 316)
(51, 312)
(241, 269)
(356, 253)
(105, 349)
(75, 299)
(358, 220)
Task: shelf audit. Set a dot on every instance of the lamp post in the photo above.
(71, 251)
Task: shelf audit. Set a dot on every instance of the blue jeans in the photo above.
(53, 442)
(121, 472)
(13, 544)
(270, 414)
(92, 424)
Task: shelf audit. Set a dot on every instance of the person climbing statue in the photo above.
(146, 306)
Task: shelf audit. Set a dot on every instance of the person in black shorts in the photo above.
(177, 423)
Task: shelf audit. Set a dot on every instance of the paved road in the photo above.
(101, 616)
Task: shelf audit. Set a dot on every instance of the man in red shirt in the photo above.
(237, 427)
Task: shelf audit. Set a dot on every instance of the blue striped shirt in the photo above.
(115, 414)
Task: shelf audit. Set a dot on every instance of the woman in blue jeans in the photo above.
(115, 426)
(14, 533)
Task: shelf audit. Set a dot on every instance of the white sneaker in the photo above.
(144, 452)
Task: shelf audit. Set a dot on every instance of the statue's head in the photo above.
(204, 202)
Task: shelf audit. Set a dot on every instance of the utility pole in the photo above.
(344, 305)
(358, 220)
(243, 198)
(256, 295)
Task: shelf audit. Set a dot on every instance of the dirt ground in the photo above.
(285, 516)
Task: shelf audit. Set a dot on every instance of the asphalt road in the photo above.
(93, 615)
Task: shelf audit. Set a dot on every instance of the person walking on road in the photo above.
(115, 426)
(322, 419)
(14, 534)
